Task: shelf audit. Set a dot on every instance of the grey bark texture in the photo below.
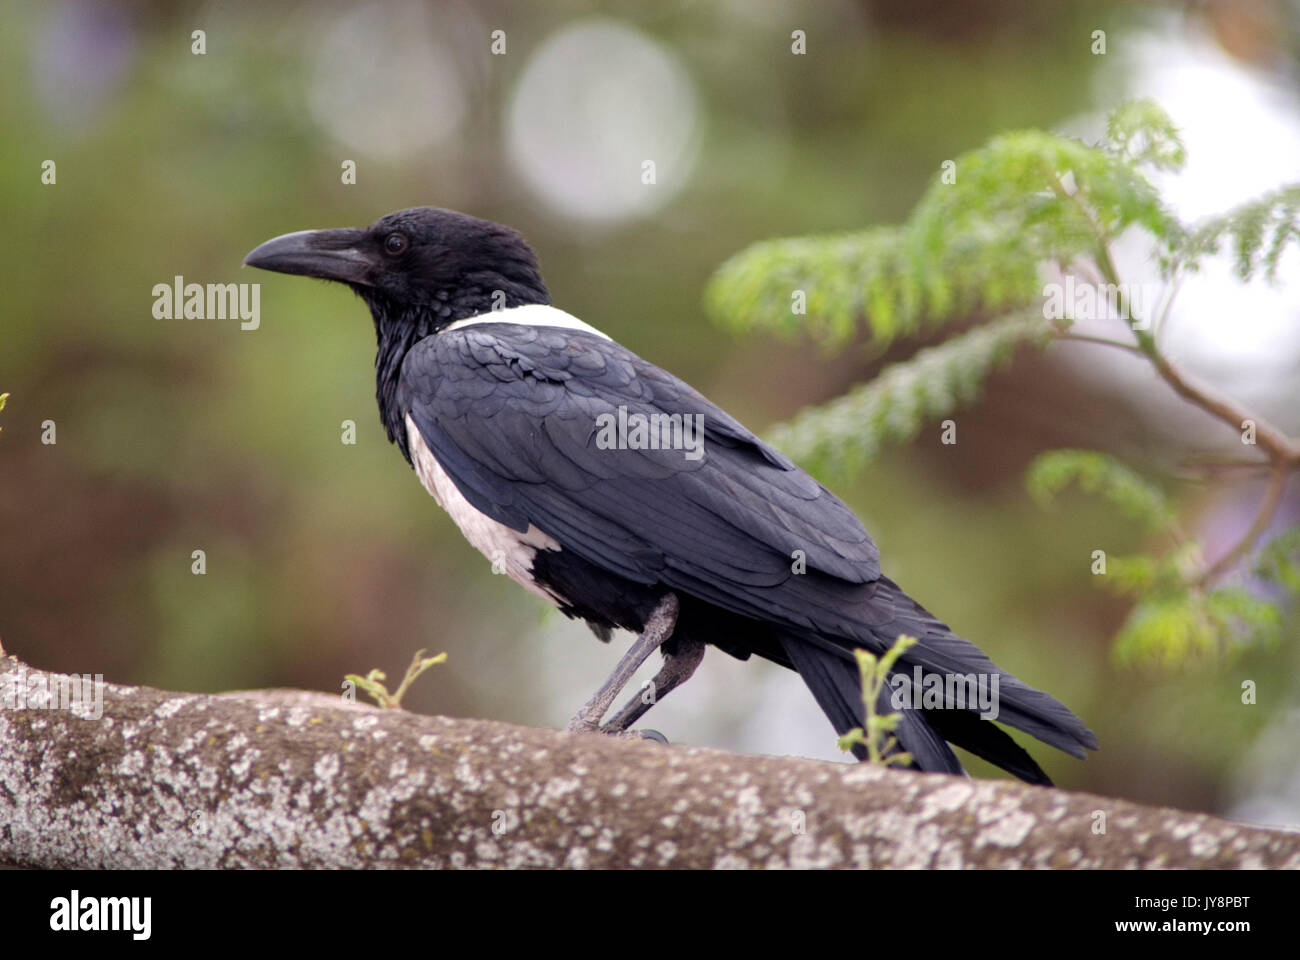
(291, 779)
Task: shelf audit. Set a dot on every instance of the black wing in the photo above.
(512, 413)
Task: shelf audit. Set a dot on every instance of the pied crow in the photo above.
(615, 491)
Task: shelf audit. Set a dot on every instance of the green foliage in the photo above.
(878, 735)
(1141, 133)
(1169, 629)
(1098, 473)
(1177, 618)
(373, 682)
(975, 246)
(843, 277)
(1279, 562)
(1140, 574)
(842, 436)
(1257, 233)
(1025, 199)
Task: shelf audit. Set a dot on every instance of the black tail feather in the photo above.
(835, 684)
(828, 666)
(987, 741)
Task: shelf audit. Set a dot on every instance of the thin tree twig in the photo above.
(1104, 341)
(1263, 517)
(1279, 446)
(1283, 452)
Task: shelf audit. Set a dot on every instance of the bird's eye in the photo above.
(395, 243)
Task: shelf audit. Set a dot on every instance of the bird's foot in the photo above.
(580, 725)
(653, 735)
(658, 628)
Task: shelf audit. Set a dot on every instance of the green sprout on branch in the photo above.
(878, 736)
(373, 682)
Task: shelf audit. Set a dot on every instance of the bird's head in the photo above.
(423, 266)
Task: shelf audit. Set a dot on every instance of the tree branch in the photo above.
(1281, 449)
(1283, 452)
(292, 779)
(1263, 517)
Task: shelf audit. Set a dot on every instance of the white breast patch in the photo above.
(510, 552)
(532, 314)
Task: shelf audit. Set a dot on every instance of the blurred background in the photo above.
(324, 558)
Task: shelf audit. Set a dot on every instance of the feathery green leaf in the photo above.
(1100, 474)
(846, 433)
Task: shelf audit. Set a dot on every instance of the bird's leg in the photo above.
(658, 628)
(677, 669)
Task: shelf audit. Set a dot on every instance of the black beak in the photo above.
(328, 254)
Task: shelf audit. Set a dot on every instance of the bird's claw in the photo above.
(654, 735)
(583, 725)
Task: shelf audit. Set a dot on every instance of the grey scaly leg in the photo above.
(658, 628)
(677, 669)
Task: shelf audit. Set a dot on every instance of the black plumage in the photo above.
(510, 412)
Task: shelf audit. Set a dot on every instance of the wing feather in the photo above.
(512, 414)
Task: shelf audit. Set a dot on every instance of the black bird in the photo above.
(509, 410)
